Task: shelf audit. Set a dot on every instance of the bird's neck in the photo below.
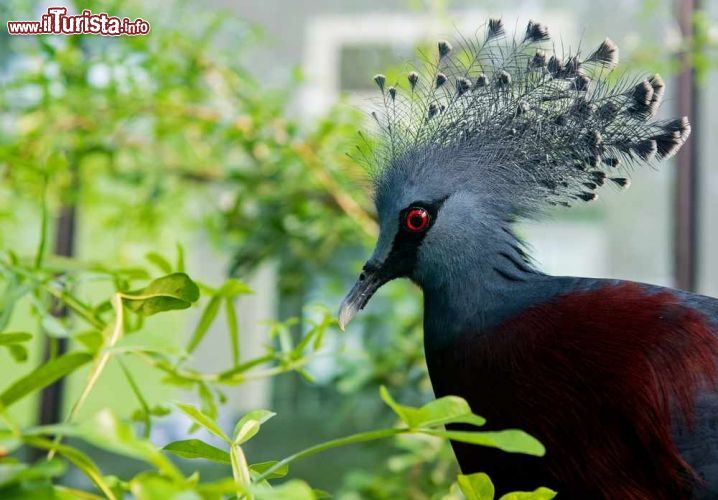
(482, 291)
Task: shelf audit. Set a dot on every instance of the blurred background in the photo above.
(225, 130)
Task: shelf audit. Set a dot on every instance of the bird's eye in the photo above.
(416, 219)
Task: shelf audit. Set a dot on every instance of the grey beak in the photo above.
(368, 283)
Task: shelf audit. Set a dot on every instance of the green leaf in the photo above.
(196, 448)
(232, 328)
(248, 426)
(510, 440)
(159, 261)
(305, 375)
(217, 490)
(446, 410)
(180, 258)
(209, 406)
(60, 492)
(79, 459)
(476, 486)
(233, 287)
(174, 291)
(9, 471)
(14, 291)
(151, 486)
(18, 352)
(538, 494)
(160, 411)
(14, 338)
(43, 469)
(43, 376)
(41, 490)
(396, 407)
(12, 473)
(104, 430)
(262, 467)
(205, 321)
(102, 307)
(203, 420)
(294, 489)
(442, 411)
(92, 340)
(304, 342)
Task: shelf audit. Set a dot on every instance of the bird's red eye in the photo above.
(416, 219)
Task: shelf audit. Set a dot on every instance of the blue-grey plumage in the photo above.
(617, 378)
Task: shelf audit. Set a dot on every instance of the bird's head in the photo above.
(429, 219)
(493, 132)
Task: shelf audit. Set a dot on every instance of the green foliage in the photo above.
(510, 440)
(138, 124)
(476, 486)
(479, 487)
(12, 473)
(447, 410)
(43, 376)
(14, 341)
(163, 295)
(195, 448)
(140, 135)
(249, 425)
(174, 291)
(204, 421)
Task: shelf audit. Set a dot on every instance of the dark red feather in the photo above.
(601, 377)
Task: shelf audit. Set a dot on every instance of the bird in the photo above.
(616, 378)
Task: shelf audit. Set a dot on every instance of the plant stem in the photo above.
(117, 331)
(10, 424)
(334, 443)
(271, 372)
(221, 377)
(77, 458)
(100, 364)
(147, 419)
(240, 469)
(75, 493)
(42, 244)
(67, 299)
(77, 307)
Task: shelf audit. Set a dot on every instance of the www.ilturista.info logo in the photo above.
(56, 21)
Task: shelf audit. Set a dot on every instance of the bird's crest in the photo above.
(535, 127)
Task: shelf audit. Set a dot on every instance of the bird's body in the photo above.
(606, 373)
(617, 379)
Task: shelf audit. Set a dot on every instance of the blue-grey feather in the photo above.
(528, 134)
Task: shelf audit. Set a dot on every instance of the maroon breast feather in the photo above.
(602, 375)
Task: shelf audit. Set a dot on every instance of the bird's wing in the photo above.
(698, 443)
(708, 306)
(602, 374)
